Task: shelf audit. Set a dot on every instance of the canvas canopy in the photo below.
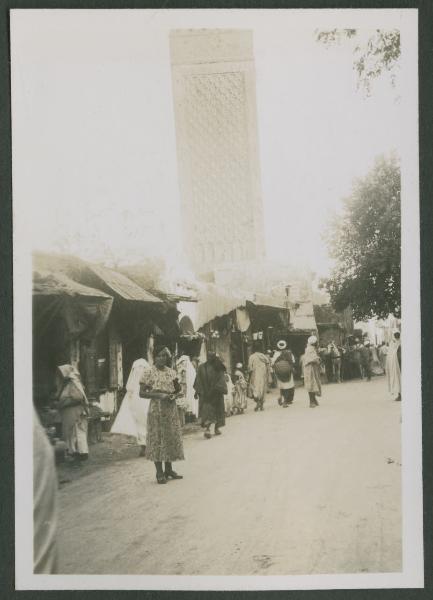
(85, 310)
(303, 318)
(122, 286)
(215, 301)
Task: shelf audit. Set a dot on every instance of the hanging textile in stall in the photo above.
(243, 319)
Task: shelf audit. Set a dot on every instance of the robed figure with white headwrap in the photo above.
(283, 363)
(311, 363)
(132, 416)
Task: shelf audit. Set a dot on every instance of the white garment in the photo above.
(228, 398)
(132, 416)
(186, 368)
(45, 484)
(393, 372)
(243, 319)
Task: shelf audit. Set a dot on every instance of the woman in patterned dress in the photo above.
(164, 436)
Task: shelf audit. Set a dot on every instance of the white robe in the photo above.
(132, 416)
(393, 373)
(228, 398)
(184, 364)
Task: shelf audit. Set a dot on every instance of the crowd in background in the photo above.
(208, 393)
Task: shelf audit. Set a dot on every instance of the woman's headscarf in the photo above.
(162, 351)
(69, 372)
(70, 375)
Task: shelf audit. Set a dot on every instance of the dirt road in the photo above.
(285, 491)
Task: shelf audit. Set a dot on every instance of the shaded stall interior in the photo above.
(66, 317)
(268, 324)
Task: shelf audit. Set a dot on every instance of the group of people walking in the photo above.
(281, 365)
(360, 359)
(363, 360)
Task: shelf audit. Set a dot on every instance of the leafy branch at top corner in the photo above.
(334, 36)
(374, 55)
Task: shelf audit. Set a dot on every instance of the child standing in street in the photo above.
(240, 390)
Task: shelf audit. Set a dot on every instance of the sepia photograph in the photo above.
(216, 299)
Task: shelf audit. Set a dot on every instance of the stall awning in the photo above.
(303, 318)
(46, 283)
(85, 310)
(269, 301)
(215, 301)
(122, 286)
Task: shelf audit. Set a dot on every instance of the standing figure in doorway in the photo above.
(258, 369)
(164, 436)
(211, 387)
(74, 411)
(312, 371)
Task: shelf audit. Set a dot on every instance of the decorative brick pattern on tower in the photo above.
(217, 146)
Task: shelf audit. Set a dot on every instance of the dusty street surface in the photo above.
(285, 491)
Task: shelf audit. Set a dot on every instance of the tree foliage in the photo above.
(365, 242)
(376, 54)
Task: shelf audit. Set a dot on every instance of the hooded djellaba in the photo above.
(258, 369)
(211, 387)
(132, 416)
(73, 407)
(311, 362)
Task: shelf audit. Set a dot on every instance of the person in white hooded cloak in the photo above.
(187, 374)
(132, 416)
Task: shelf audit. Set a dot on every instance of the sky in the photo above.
(94, 152)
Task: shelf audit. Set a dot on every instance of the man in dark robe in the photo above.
(210, 385)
